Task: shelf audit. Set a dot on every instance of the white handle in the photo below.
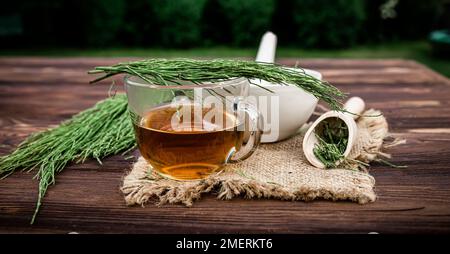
(355, 105)
(267, 48)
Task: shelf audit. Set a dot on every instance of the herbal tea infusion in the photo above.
(187, 151)
(190, 131)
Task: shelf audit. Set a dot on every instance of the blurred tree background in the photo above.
(181, 24)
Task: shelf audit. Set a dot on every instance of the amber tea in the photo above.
(192, 152)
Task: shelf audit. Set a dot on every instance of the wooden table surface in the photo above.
(36, 93)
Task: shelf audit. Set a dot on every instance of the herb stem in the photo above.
(171, 71)
(100, 131)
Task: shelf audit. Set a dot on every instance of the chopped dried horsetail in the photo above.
(97, 132)
(332, 136)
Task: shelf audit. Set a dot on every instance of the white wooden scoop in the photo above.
(354, 105)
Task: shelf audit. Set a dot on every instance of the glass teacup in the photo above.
(188, 131)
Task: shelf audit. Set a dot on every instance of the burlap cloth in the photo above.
(278, 171)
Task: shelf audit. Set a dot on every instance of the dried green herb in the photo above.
(390, 164)
(106, 129)
(97, 132)
(332, 136)
(171, 71)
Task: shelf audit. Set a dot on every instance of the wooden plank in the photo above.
(36, 93)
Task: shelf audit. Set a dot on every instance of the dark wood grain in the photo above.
(37, 93)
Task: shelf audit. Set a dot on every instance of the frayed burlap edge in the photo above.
(142, 185)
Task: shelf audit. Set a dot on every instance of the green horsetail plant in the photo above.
(106, 129)
(97, 132)
(169, 71)
(332, 136)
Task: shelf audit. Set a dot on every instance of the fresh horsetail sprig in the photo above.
(171, 71)
(106, 129)
(97, 132)
(390, 164)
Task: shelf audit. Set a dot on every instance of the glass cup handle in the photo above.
(252, 135)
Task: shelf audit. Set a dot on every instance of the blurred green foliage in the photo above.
(179, 22)
(248, 19)
(332, 24)
(188, 23)
(139, 25)
(414, 19)
(102, 20)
